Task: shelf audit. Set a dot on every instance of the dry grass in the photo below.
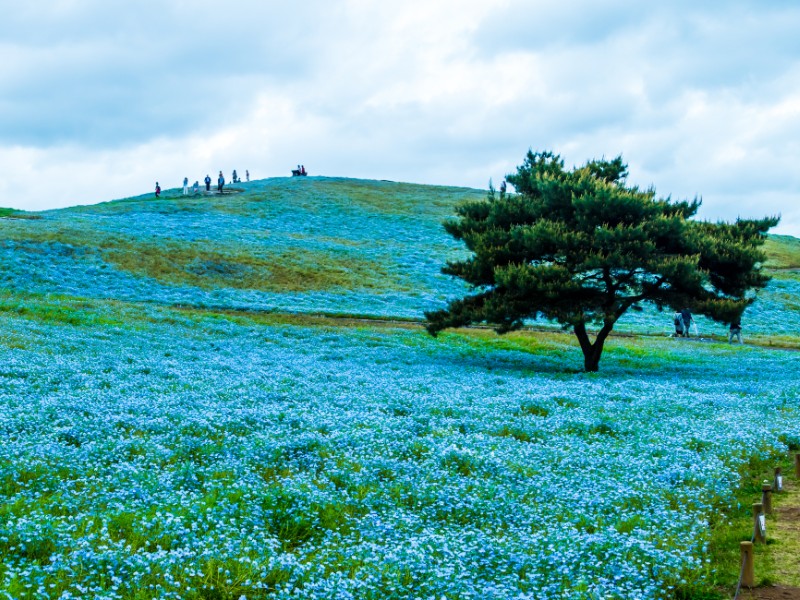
(208, 268)
(783, 252)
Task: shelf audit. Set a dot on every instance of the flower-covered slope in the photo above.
(156, 453)
(297, 245)
(316, 244)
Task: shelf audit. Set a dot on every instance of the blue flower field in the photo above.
(193, 406)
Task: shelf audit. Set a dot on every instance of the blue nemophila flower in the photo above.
(181, 455)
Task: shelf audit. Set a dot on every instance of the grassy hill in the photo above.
(311, 244)
(182, 417)
(314, 245)
(783, 252)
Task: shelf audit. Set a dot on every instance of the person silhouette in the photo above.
(686, 315)
(735, 332)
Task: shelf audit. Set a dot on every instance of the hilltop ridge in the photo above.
(313, 244)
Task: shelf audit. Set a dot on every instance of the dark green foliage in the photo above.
(581, 247)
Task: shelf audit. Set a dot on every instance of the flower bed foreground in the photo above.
(162, 454)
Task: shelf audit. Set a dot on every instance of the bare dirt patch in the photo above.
(785, 531)
(787, 535)
(789, 514)
(776, 592)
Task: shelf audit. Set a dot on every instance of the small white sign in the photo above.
(779, 483)
(762, 523)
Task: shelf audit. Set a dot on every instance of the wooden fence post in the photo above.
(759, 524)
(748, 568)
(766, 498)
(797, 465)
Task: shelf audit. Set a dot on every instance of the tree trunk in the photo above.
(591, 361)
(592, 351)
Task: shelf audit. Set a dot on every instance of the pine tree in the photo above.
(581, 247)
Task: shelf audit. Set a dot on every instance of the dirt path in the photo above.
(410, 322)
(784, 530)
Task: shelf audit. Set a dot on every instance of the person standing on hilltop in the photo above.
(207, 181)
(234, 177)
(246, 175)
(158, 190)
(220, 182)
(185, 186)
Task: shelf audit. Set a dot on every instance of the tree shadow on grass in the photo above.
(506, 360)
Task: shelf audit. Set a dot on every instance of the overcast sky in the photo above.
(101, 98)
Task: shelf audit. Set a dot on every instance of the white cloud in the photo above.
(100, 99)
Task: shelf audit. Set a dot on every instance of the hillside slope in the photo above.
(316, 244)
(312, 244)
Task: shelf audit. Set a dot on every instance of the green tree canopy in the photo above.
(581, 247)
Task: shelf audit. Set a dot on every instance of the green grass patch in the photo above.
(533, 409)
(735, 525)
(59, 309)
(389, 197)
(13, 213)
(783, 252)
(787, 342)
(529, 341)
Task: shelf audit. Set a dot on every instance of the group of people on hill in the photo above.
(683, 320)
(301, 170)
(196, 186)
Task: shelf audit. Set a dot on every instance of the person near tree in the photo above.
(686, 317)
(735, 332)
